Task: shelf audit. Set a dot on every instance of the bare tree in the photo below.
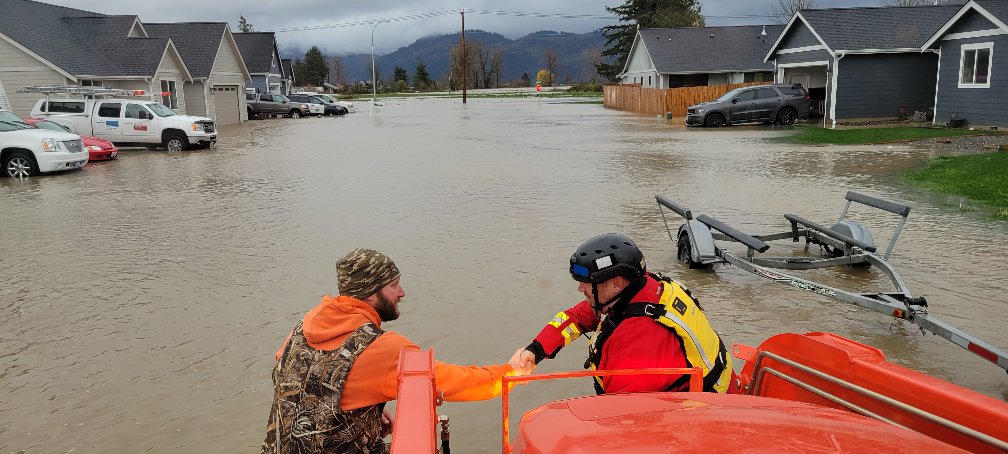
(551, 59)
(784, 9)
(481, 65)
(914, 2)
(497, 65)
(338, 75)
(591, 58)
(455, 72)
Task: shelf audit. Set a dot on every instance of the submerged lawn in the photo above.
(982, 177)
(857, 136)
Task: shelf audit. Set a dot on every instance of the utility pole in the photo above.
(465, 67)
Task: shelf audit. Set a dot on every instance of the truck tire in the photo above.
(175, 141)
(20, 164)
(251, 114)
(294, 113)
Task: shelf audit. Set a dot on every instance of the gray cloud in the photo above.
(349, 34)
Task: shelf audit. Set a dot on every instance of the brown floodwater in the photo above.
(143, 299)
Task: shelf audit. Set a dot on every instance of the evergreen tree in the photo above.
(399, 73)
(645, 14)
(300, 76)
(421, 79)
(316, 68)
(525, 80)
(244, 26)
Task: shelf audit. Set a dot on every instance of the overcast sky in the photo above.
(345, 26)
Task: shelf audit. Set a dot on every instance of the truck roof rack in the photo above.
(83, 91)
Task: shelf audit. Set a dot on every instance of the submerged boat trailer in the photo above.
(849, 243)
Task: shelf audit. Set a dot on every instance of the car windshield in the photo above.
(730, 95)
(326, 98)
(13, 125)
(10, 116)
(160, 110)
(51, 126)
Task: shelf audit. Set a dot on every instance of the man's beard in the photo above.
(386, 309)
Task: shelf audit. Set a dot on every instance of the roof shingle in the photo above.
(257, 50)
(709, 49)
(197, 42)
(904, 27)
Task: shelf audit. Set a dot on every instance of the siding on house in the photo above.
(171, 69)
(799, 36)
(979, 106)
(875, 86)
(640, 61)
(22, 70)
(971, 22)
(803, 57)
(229, 69)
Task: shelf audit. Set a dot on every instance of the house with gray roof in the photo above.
(696, 56)
(862, 63)
(218, 71)
(972, 71)
(42, 44)
(287, 84)
(262, 57)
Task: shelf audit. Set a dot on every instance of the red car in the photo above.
(98, 149)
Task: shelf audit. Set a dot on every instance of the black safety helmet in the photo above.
(606, 256)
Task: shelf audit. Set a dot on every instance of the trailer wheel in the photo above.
(683, 253)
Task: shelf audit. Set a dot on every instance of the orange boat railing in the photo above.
(695, 385)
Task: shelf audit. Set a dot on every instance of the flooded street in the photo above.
(144, 298)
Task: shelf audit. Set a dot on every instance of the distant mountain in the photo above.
(522, 55)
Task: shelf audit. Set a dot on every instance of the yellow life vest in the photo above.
(678, 311)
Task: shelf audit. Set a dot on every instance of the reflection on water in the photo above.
(146, 296)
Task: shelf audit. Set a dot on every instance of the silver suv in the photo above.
(777, 103)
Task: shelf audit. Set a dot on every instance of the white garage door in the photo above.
(226, 104)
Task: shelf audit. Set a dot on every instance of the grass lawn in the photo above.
(857, 136)
(982, 177)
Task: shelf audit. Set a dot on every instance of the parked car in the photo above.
(326, 106)
(776, 103)
(349, 106)
(98, 149)
(129, 122)
(274, 104)
(26, 151)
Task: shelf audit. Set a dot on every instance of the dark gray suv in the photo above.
(777, 103)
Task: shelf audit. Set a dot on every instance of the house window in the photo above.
(975, 65)
(168, 86)
(92, 83)
(649, 81)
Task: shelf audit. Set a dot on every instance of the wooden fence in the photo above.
(658, 101)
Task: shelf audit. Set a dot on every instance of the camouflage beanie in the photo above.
(363, 272)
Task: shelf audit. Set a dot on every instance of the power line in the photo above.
(490, 13)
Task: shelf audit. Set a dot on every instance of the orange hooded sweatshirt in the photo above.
(374, 377)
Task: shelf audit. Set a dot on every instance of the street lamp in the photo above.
(374, 85)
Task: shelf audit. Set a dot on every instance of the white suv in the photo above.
(26, 151)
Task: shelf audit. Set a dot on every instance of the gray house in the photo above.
(262, 57)
(697, 56)
(218, 71)
(862, 63)
(42, 44)
(288, 83)
(973, 63)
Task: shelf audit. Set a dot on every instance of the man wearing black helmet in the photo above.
(643, 320)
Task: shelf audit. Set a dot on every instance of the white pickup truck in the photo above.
(127, 122)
